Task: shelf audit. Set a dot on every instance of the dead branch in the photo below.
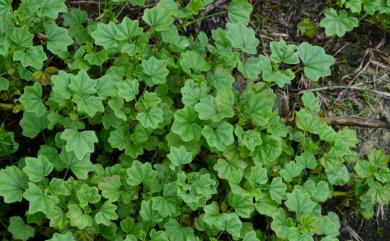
(356, 121)
(384, 94)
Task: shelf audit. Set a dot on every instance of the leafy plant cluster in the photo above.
(338, 22)
(148, 134)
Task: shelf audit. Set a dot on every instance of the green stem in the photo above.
(340, 194)
(202, 18)
(6, 106)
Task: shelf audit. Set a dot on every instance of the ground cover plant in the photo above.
(146, 132)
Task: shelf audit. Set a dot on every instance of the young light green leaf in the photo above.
(157, 18)
(34, 56)
(299, 202)
(39, 200)
(87, 194)
(128, 89)
(105, 34)
(58, 39)
(191, 60)
(77, 218)
(13, 182)
(243, 204)
(220, 137)
(37, 168)
(228, 171)
(68, 236)
(127, 29)
(316, 62)
(111, 187)
(338, 23)
(284, 53)
(31, 99)
(151, 118)
(242, 37)
(179, 156)
(80, 143)
(185, 124)
(140, 173)
(32, 124)
(277, 190)
(231, 223)
(156, 70)
(311, 102)
(106, 213)
(239, 11)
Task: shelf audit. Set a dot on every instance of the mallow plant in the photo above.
(144, 133)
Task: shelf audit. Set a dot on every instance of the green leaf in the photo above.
(34, 56)
(329, 225)
(87, 194)
(157, 18)
(277, 190)
(220, 137)
(164, 207)
(379, 158)
(191, 60)
(51, 8)
(185, 124)
(192, 93)
(89, 105)
(80, 168)
(250, 236)
(77, 218)
(21, 37)
(265, 205)
(216, 108)
(37, 168)
(106, 213)
(228, 171)
(311, 102)
(156, 71)
(128, 89)
(250, 68)
(250, 139)
(105, 35)
(147, 212)
(39, 200)
(19, 229)
(242, 204)
(290, 170)
(299, 202)
(306, 160)
(270, 149)
(128, 29)
(111, 187)
(338, 23)
(151, 118)
(80, 143)
(284, 53)
(68, 236)
(316, 62)
(32, 124)
(231, 223)
(82, 84)
(179, 156)
(13, 182)
(307, 28)
(239, 11)
(177, 232)
(242, 37)
(31, 99)
(259, 107)
(58, 39)
(283, 225)
(4, 84)
(319, 191)
(5, 7)
(258, 175)
(96, 58)
(140, 173)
